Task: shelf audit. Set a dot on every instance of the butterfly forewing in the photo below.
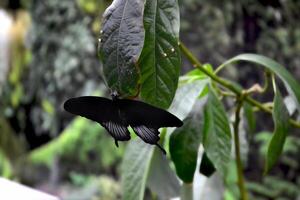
(103, 111)
(140, 113)
(94, 108)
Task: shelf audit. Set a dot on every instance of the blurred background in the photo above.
(48, 53)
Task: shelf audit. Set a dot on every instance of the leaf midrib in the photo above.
(119, 31)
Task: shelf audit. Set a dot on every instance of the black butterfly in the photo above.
(118, 114)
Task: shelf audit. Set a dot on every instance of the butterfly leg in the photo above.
(161, 148)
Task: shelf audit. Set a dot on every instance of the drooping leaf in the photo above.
(162, 180)
(160, 58)
(135, 169)
(207, 168)
(290, 83)
(216, 133)
(120, 45)
(281, 121)
(196, 74)
(185, 141)
(250, 117)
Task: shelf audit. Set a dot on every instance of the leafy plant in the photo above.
(140, 50)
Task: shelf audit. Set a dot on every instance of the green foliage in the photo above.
(64, 61)
(160, 57)
(93, 187)
(141, 57)
(5, 166)
(11, 146)
(93, 6)
(158, 78)
(82, 142)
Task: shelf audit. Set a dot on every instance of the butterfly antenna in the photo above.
(162, 149)
(116, 142)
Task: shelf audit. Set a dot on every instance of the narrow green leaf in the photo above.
(280, 117)
(291, 84)
(207, 168)
(250, 117)
(216, 133)
(162, 180)
(160, 58)
(120, 44)
(135, 169)
(184, 143)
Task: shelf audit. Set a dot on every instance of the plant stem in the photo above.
(197, 64)
(239, 165)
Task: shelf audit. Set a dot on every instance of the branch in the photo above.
(197, 64)
(239, 165)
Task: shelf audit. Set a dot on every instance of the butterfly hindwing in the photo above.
(149, 135)
(117, 130)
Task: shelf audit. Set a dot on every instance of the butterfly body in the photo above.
(118, 114)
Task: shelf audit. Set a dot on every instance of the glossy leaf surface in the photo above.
(120, 44)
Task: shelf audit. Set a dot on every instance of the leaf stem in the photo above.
(197, 64)
(239, 165)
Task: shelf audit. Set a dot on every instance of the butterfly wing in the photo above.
(148, 135)
(103, 111)
(140, 113)
(146, 119)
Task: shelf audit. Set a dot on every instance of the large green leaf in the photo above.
(281, 121)
(135, 169)
(216, 133)
(120, 44)
(184, 143)
(160, 58)
(162, 180)
(291, 84)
